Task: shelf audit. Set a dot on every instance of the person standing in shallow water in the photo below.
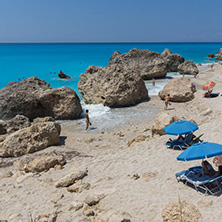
(87, 119)
(167, 101)
(153, 82)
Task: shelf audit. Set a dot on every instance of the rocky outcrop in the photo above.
(63, 75)
(162, 120)
(150, 64)
(44, 162)
(14, 124)
(31, 139)
(180, 211)
(173, 60)
(211, 55)
(114, 86)
(180, 90)
(188, 68)
(33, 98)
(219, 54)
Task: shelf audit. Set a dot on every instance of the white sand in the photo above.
(111, 165)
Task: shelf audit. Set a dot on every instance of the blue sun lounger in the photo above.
(205, 183)
(180, 144)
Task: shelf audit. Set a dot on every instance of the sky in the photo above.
(28, 21)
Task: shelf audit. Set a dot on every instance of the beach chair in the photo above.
(181, 144)
(197, 139)
(204, 184)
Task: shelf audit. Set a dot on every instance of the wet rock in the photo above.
(211, 55)
(180, 90)
(180, 211)
(63, 75)
(71, 178)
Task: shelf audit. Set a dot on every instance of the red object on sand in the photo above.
(208, 85)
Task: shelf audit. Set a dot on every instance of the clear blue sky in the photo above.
(110, 21)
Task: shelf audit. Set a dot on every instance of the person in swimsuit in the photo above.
(87, 119)
(167, 101)
(208, 169)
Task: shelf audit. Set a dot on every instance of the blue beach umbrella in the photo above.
(201, 151)
(180, 127)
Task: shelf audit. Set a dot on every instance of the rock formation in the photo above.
(188, 67)
(211, 55)
(219, 54)
(63, 75)
(180, 90)
(30, 139)
(114, 86)
(33, 98)
(150, 64)
(173, 60)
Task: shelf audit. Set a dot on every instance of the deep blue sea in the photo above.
(18, 61)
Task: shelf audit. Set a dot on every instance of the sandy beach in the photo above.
(133, 182)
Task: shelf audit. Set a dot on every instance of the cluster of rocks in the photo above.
(19, 136)
(219, 55)
(34, 98)
(121, 84)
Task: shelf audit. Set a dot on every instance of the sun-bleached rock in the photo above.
(92, 200)
(114, 86)
(180, 211)
(44, 162)
(31, 139)
(188, 68)
(33, 98)
(71, 178)
(180, 90)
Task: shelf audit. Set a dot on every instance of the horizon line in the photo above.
(1, 43)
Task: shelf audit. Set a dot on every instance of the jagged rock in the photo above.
(113, 86)
(211, 55)
(180, 211)
(71, 178)
(188, 68)
(137, 139)
(44, 162)
(92, 200)
(180, 90)
(3, 127)
(173, 60)
(166, 52)
(219, 54)
(31, 139)
(150, 64)
(162, 120)
(63, 75)
(33, 98)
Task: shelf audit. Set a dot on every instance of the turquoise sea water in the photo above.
(46, 60)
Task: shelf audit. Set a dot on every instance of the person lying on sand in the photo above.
(207, 94)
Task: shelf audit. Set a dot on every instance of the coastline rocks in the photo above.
(180, 90)
(188, 67)
(63, 75)
(114, 86)
(44, 162)
(33, 98)
(176, 210)
(150, 64)
(219, 54)
(173, 60)
(211, 55)
(31, 139)
(162, 120)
